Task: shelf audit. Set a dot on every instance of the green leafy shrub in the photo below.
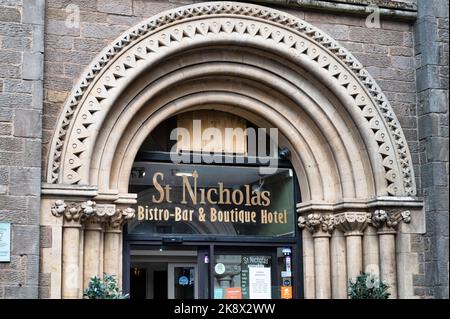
(103, 289)
(367, 286)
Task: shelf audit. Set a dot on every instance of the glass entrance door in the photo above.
(182, 281)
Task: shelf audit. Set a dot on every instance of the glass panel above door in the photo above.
(212, 200)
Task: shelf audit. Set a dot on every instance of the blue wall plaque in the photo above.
(5, 242)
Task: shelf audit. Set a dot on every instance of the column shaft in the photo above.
(388, 272)
(354, 255)
(70, 262)
(111, 257)
(92, 241)
(338, 265)
(322, 267)
(308, 265)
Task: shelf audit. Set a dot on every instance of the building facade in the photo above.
(89, 93)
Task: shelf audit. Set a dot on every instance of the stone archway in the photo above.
(348, 148)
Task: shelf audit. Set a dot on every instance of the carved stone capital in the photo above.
(73, 212)
(320, 225)
(120, 217)
(352, 223)
(387, 221)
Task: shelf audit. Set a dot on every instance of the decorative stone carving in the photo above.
(120, 217)
(388, 221)
(352, 223)
(272, 28)
(317, 223)
(74, 211)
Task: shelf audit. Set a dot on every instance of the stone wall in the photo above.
(431, 49)
(386, 52)
(21, 56)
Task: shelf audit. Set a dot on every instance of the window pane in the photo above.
(212, 200)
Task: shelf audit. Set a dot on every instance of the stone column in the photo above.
(321, 226)
(371, 259)
(112, 249)
(73, 213)
(387, 223)
(338, 265)
(92, 244)
(352, 224)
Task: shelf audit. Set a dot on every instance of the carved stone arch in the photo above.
(254, 27)
(348, 149)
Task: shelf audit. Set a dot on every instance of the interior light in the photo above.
(181, 174)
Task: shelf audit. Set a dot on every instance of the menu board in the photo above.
(259, 283)
(248, 262)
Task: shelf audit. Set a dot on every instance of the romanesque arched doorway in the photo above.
(347, 147)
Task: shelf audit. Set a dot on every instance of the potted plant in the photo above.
(103, 289)
(367, 286)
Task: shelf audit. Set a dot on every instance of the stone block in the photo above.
(9, 14)
(32, 273)
(33, 11)
(38, 38)
(11, 158)
(14, 43)
(377, 60)
(5, 129)
(428, 125)
(10, 57)
(27, 123)
(24, 292)
(82, 4)
(59, 42)
(14, 100)
(101, 31)
(32, 153)
(428, 77)
(398, 75)
(435, 174)
(435, 8)
(25, 240)
(33, 209)
(10, 277)
(402, 63)
(5, 114)
(38, 94)
(15, 217)
(44, 279)
(62, 28)
(10, 71)
(4, 175)
(374, 36)
(123, 7)
(44, 292)
(437, 149)
(17, 86)
(90, 44)
(11, 144)
(401, 51)
(15, 29)
(144, 8)
(33, 66)
(46, 237)
(433, 101)
(25, 181)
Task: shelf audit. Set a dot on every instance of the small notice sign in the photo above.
(286, 292)
(5, 242)
(233, 293)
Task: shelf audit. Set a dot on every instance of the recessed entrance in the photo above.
(219, 229)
